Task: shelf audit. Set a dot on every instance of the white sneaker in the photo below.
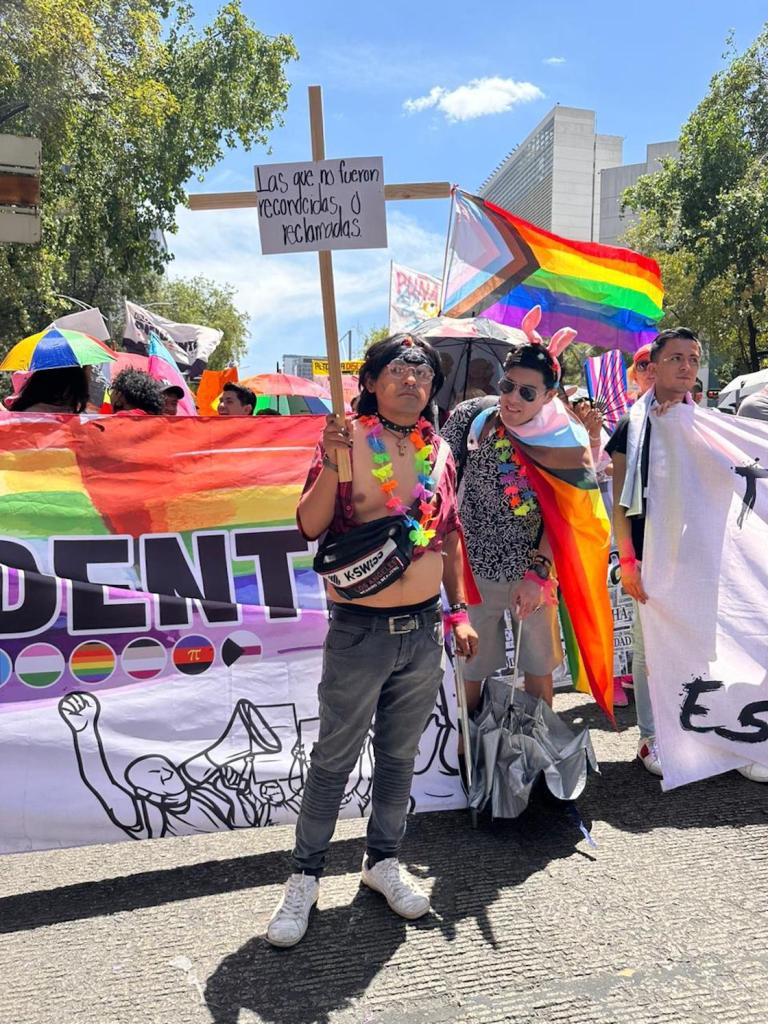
(288, 924)
(403, 895)
(754, 772)
(648, 754)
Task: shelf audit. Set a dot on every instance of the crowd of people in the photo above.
(382, 662)
(131, 392)
(423, 504)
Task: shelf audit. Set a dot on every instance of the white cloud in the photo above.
(477, 98)
(281, 294)
(554, 60)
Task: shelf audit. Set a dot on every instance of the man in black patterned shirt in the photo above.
(504, 529)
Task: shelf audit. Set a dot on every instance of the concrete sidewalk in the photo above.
(665, 921)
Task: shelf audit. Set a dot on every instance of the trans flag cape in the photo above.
(555, 449)
(500, 266)
(161, 632)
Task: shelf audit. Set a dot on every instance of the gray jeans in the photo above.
(373, 665)
(643, 706)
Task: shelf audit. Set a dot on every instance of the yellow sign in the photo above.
(320, 367)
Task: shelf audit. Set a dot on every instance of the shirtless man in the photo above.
(384, 651)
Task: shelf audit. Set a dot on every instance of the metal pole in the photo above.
(461, 705)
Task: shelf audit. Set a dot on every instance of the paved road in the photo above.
(664, 922)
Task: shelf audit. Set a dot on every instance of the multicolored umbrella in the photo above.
(274, 384)
(292, 405)
(53, 349)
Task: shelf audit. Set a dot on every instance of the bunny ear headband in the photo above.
(559, 341)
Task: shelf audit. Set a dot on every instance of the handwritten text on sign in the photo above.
(326, 204)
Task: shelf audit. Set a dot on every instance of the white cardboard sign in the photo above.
(324, 204)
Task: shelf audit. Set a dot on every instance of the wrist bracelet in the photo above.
(329, 464)
(539, 570)
(548, 586)
(455, 618)
(460, 606)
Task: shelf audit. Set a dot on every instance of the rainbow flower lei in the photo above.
(420, 532)
(522, 497)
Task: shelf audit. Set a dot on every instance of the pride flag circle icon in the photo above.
(193, 655)
(40, 665)
(6, 667)
(144, 658)
(241, 648)
(92, 662)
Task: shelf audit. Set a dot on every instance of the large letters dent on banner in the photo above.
(161, 633)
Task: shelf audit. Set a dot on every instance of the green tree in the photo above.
(198, 300)
(130, 100)
(709, 309)
(711, 205)
(372, 335)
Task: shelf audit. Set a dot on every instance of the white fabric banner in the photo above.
(190, 344)
(705, 571)
(89, 321)
(413, 297)
(187, 757)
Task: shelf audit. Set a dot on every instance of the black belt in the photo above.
(395, 624)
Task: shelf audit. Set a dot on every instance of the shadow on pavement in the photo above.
(627, 797)
(347, 946)
(342, 953)
(26, 911)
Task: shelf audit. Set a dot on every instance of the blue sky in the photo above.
(641, 73)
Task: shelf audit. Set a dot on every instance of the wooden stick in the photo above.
(246, 200)
(327, 290)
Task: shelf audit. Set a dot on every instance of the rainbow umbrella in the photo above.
(293, 405)
(53, 349)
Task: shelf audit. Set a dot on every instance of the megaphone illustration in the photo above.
(247, 734)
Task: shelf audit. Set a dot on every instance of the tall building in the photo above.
(299, 366)
(553, 177)
(614, 180)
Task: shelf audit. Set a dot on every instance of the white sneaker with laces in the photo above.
(648, 754)
(288, 924)
(754, 772)
(402, 894)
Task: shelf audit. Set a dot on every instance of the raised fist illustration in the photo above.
(79, 710)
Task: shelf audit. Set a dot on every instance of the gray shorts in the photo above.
(541, 650)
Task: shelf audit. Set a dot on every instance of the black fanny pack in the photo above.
(372, 556)
(367, 559)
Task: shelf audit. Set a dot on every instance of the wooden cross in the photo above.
(244, 200)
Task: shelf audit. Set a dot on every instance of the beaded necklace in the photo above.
(424, 491)
(513, 475)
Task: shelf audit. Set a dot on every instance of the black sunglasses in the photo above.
(527, 393)
(642, 365)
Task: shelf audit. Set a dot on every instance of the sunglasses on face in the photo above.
(527, 393)
(642, 365)
(401, 369)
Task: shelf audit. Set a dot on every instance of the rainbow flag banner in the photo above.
(500, 266)
(161, 632)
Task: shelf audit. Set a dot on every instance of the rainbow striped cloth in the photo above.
(606, 378)
(500, 266)
(555, 449)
